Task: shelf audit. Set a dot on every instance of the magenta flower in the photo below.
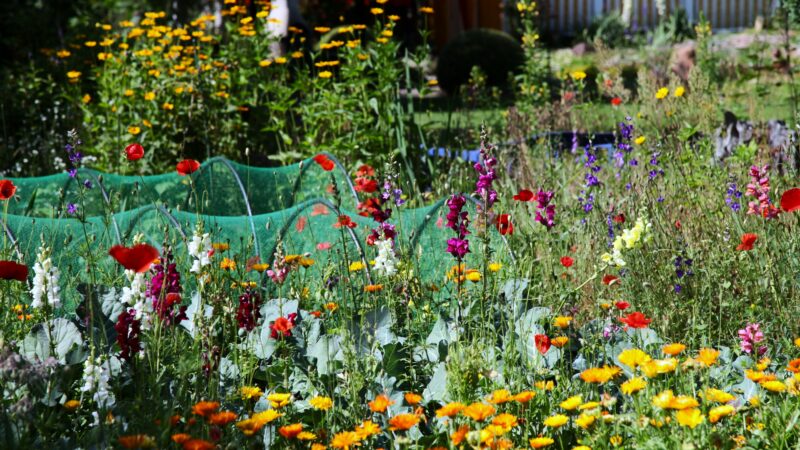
(249, 311)
(458, 220)
(128, 329)
(545, 212)
(486, 175)
(750, 336)
(759, 188)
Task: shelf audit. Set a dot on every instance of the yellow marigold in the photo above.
(662, 93)
(306, 436)
(279, 400)
(168, 106)
(380, 404)
(691, 417)
(412, 398)
(556, 421)
(562, 321)
(403, 422)
(260, 267)
(426, 10)
(715, 414)
(541, 442)
(763, 363)
(656, 367)
(679, 91)
(500, 396)
(683, 402)
(86, 98)
(673, 349)
(265, 63)
(321, 403)
(773, 385)
(572, 402)
(589, 405)
(376, 11)
(345, 440)
(479, 411)
(505, 421)
(355, 266)
(717, 395)
(227, 264)
(600, 375)
(585, 420)
(663, 399)
(578, 75)
(524, 396)
(707, 356)
(73, 75)
(128, 92)
(633, 357)
(797, 342)
(281, 60)
(367, 428)
(149, 95)
(250, 392)
(495, 267)
(615, 440)
(559, 341)
(758, 376)
(473, 275)
(134, 130)
(633, 385)
(72, 405)
(582, 447)
(90, 44)
(544, 385)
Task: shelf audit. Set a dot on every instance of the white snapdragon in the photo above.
(199, 249)
(96, 378)
(386, 261)
(135, 296)
(45, 288)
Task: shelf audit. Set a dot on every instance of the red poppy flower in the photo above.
(542, 343)
(790, 200)
(7, 189)
(748, 239)
(622, 305)
(324, 162)
(609, 279)
(567, 262)
(344, 221)
(134, 152)
(616, 101)
(636, 320)
(367, 185)
(504, 225)
(187, 166)
(322, 246)
(619, 218)
(524, 196)
(10, 270)
(282, 326)
(137, 258)
(365, 171)
(678, 224)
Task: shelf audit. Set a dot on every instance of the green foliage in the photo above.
(609, 29)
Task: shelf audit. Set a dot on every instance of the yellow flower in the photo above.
(679, 91)
(149, 95)
(719, 412)
(277, 400)
(280, 60)
(633, 385)
(755, 401)
(589, 405)
(683, 402)
(615, 440)
(227, 264)
(585, 420)
(691, 417)
(524, 396)
(86, 98)
(633, 357)
(265, 63)
(134, 130)
(297, 55)
(582, 447)
(376, 11)
(571, 403)
(426, 10)
(355, 266)
(500, 396)
(168, 106)
(346, 440)
(559, 341)
(556, 421)
(663, 399)
(63, 54)
(600, 375)
(255, 423)
(321, 403)
(541, 442)
(128, 92)
(495, 267)
(797, 342)
(640, 140)
(73, 75)
(90, 44)
(707, 356)
(250, 392)
(717, 395)
(325, 74)
(773, 386)
(505, 421)
(673, 349)
(478, 411)
(450, 410)
(656, 367)
(662, 93)
(544, 385)
(578, 75)
(473, 275)
(562, 321)
(367, 428)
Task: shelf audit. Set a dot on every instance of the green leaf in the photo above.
(59, 338)
(437, 388)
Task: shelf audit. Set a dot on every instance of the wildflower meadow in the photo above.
(244, 224)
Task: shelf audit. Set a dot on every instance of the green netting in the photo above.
(288, 205)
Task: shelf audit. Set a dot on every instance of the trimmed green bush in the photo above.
(495, 52)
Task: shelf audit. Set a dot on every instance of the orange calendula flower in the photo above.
(479, 411)
(562, 321)
(403, 422)
(137, 441)
(380, 404)
(367, 428)
(690, 417)
(459, 435)
(633, 357)
(707, 356)
(505, 421)
(559, 341)
(412, 398)
(717, 395)
(500, 396)
(524, 396)
(222, 418)
(180, 438)
(673, 349)
(717, 413)
(198, 444)
(204, 408)
(227, 264)
(373, 288)
(321, 403)
(600, 375)
(450, 410)
(794, 366)
(541, 442)
(291, 431)
(71, 405)
(556, 421)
